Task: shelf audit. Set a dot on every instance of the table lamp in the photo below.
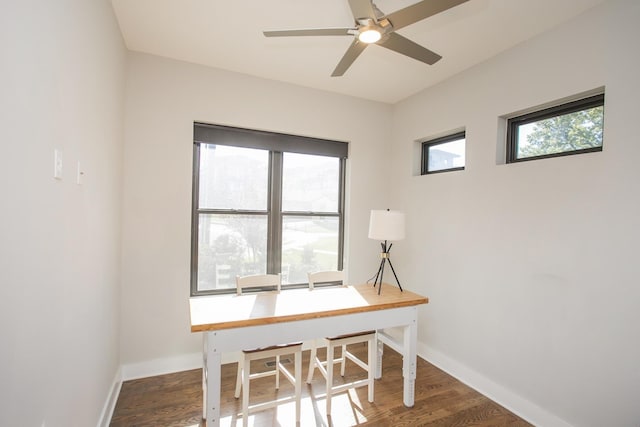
(386, 225)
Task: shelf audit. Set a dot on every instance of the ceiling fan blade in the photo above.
(402, 45)
(419, 11)
(362, 9)
(310, 32)
(354, 50)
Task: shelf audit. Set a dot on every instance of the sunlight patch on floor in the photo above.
(345, 406)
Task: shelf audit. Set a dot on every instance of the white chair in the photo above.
(326, 367)
(244, 375)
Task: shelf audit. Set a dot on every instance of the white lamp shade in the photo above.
(386, 225)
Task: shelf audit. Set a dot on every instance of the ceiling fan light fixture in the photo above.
(369, 35)
(372, 26)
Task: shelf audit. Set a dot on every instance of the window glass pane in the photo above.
(448, 155)
(233, 177)
(230, 245)
(575, 131)
(308, 244)
(310, 183)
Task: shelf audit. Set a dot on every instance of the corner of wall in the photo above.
(520, 406)
(112, 399)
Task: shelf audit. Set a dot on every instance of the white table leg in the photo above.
(409, 361)
(212, 377)
(379, 353)
(371, 357)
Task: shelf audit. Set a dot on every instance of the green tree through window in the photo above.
(571, 128)
(570, 132)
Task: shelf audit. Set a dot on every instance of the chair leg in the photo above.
(277, 372)
(239, 377)
(312, 362)
(330, 354)
(246, 371)
(344, 360)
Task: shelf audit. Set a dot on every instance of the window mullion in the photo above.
(274, 239)
(341, 203)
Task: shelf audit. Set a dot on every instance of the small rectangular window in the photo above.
(444, 154)
(572, 128)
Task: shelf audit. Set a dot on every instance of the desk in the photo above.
(232, 323)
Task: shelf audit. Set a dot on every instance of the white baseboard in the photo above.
(524, 408)
(169, 365)
(145, 369)
(151, 368)
(110, 404)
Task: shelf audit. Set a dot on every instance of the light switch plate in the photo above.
(57, 165)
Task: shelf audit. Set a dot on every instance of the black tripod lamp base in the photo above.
(385, 258)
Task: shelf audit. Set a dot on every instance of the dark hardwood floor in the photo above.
(175, 400)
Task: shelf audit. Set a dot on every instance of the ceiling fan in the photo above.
(372, 26)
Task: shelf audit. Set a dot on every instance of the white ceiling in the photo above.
(227, 34)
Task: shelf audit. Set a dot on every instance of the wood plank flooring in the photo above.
(175, 400)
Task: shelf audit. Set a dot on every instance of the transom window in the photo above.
(264, 203)
(571, 128)
(444, 154)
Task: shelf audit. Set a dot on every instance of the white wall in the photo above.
(531, 268)
(163, 99)
(62, 87)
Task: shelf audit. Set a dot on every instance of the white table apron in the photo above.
(234, 339)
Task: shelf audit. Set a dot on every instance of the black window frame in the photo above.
(426, 145)
(277, 144)
(514, 123)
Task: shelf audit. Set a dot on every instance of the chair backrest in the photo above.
(326, 277)
(258, 281)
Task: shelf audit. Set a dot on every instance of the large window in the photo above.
(264, 203)
(444, 154)
(571, 128)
